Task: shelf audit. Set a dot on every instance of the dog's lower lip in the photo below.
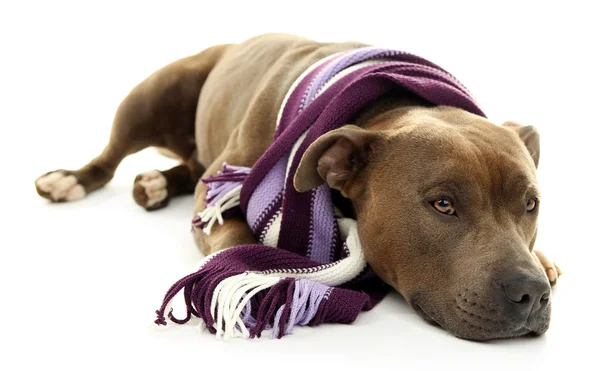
(424, 314)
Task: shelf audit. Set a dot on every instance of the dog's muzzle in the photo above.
(514, 304)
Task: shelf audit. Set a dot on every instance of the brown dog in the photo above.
(446, 204)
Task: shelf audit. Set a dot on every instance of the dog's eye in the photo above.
(444, 206)
(531, 204)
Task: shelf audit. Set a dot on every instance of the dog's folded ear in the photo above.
(530, 136)
(336, 158)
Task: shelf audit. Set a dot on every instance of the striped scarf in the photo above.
(308, 267)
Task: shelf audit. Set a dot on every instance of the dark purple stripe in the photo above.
(337, 245)
(285, 316)
(355, 57)
(268, 306)
(342, 306)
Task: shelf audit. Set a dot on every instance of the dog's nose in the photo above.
(524, 294)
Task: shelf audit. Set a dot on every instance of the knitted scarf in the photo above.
(308, 267)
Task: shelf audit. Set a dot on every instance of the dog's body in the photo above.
(459, 246)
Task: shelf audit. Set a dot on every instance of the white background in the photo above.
(80, 282)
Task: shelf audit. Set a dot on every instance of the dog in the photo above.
(446, 211)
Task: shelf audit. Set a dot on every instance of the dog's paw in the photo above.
(150, 190)
(552, 270)
(59, 186)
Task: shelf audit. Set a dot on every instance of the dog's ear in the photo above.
(530, 136)
(336, 158)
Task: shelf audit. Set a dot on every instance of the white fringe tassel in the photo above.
(214, 213)
(232, 294)
(230, 298)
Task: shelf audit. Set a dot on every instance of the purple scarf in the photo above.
(308, 267)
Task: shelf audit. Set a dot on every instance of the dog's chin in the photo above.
(470, 326)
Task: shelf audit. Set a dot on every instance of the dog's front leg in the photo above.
(552, 270)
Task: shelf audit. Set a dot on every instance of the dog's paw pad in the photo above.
(59, 186)
(150, 190)
(552, 270)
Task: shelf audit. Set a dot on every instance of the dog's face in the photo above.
(447, 206)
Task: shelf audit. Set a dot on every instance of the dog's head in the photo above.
(447, 206)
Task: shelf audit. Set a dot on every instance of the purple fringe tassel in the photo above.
(218, 185)
(288, 303)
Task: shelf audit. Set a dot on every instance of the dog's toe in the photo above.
(59, 186)
(150, 190)
(552, 270)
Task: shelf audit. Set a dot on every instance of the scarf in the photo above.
(308, 267)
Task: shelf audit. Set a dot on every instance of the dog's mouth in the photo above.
(421, 312)
(468, 323)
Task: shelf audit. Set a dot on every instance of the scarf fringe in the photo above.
(235, 302)
(222, 196)
(246, 304)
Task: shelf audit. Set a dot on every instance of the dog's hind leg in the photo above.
(158, 112)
